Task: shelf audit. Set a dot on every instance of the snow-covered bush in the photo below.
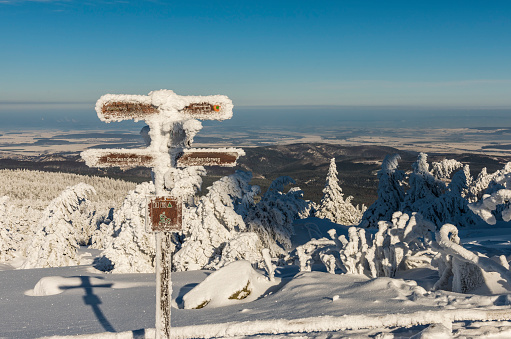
(469, 271)
(214, 226)
(483, 181)
(489, 203)
(495, 202)
(272, 217)
(316, 250)
(56, 239)
(129, 248)
(401, 244)
(333, 206)
(390, 193)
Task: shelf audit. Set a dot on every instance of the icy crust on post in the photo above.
(119, 107)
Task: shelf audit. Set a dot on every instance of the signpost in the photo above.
(172, 125)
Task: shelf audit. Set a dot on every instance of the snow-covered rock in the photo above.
(234, 283)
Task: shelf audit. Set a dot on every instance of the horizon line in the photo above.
(294, 106)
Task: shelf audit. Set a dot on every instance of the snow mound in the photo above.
(234, 283)
(54, 285)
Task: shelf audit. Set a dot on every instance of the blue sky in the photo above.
(355, 53)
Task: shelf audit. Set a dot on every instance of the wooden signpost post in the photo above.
(172, 125)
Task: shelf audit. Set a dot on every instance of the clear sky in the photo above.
(402, 53)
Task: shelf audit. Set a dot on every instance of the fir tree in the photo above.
(56, 240)
(424, 191)
(390, 193)
(214, 225)
(272, 217)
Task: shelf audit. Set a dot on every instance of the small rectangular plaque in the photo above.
(165, 214)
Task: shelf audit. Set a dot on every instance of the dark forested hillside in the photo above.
(306, 163)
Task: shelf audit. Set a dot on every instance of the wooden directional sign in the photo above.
(118, 107)
(121, 158)
(206, 157)
(127, 110)
(165, 214)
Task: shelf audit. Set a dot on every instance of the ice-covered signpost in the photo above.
(173, 122)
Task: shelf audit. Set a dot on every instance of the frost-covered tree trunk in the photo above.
(390, 193)
(333, 206)
(273, 216)
(56, 240)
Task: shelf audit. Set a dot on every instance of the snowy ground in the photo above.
(71, 301)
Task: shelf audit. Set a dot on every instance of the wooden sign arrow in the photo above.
(118, 107)
(224, 157)
(122, 158)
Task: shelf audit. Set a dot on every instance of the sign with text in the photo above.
(119, 107)
(164, 214)
(121, 158)
(200, 157)
(127, 110)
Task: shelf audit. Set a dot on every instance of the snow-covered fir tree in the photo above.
(214, 225)
(129, 248)
(495, 203)
(55, 242)
(272, 217)
(484, 179)
(7, 233)
(424, 191)
(452, 206)
(442, 170)
(390, 192)
(333, 206)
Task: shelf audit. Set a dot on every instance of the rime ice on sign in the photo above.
(172, 126)
(165, 214)
(124, 159)
(118, 107)
(209, 157)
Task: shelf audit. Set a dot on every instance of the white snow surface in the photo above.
(93, 304)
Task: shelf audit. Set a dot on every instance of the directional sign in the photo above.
(209, 157)
(127, 110)
(165, 214)
(160, 110)
(121, 158)
(118, 107)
